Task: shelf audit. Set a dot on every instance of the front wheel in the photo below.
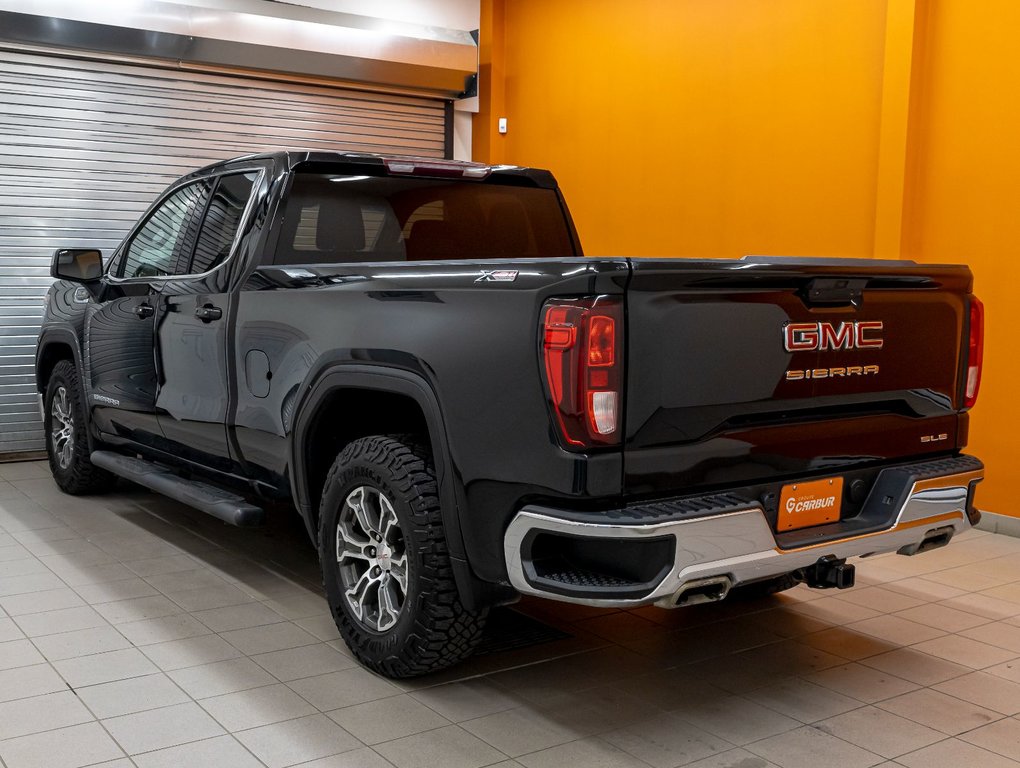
(67, 444)
(385, 563)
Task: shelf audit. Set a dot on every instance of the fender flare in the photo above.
(399, 382)
(65, 337)
(53, 336)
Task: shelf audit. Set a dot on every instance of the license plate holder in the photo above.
(815, 502)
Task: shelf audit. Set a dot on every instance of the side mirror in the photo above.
(79, 265)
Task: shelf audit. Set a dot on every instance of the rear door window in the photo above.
(222, 220)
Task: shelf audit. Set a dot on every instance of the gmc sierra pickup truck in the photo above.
(464, 409)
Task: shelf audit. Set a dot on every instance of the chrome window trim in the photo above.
(173, 189)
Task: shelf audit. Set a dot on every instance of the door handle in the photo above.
(208, 313)
(143, 311)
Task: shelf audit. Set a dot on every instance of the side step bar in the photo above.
(226, 506)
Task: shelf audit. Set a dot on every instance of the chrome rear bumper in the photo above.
(735, 546)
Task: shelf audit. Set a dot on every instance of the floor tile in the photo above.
(256, 707)
(984, 605)
(666, 741)
(803, 700)
(1002, 737)
(450, 747)
(940, 711)
(297, 741)
(112, 591)
(942, 617)
(41, 602)
(41, 713)
(391, 718)
(965, 651)
(467, 700)
(954, 753)
(104, 667)
(183, 581)
(190, 652)
(1009, 671)
(9, 630)
(848, 644)
(896, 630)
(82, 642)
(85, 575)
(1000, 633)
(365, 758)
(30, 584)
(138, 608)
(517, 731)
(221, 752)
(18, 653)
(60, 620)
(24, 682)
(879, 599)
(208, 598)
(322, 626)
(737, 719)
(881, 732)
(161, 728)
(239, 617)
(343, 689)
(915, 666)
(586, 753)
(72, 747)
(306, 661)
(162, 630)
(986, 690)
(137, 694)
(221, 677)
(272, 637)
(157, 566)
(803, 748)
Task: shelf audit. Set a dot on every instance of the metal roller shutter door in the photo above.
(85, 146)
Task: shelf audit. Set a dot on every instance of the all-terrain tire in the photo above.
(72, 469)
(433, 629)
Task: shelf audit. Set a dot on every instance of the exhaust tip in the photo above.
(710, 590)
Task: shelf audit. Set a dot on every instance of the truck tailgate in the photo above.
(762, 370)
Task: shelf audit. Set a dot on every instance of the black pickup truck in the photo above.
(463, 408)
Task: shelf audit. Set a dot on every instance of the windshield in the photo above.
(332, 218)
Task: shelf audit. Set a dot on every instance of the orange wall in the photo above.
(719, 128)
(964, 202)
(699, 127)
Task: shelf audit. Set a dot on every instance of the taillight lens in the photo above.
(975, 351)
(582, 351)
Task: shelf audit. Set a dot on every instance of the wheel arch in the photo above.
(410, 401)
(55, 345)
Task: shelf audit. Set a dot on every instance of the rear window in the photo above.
(333, 218)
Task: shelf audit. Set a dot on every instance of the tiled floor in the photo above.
(134, 631)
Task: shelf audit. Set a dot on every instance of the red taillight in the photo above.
(582, 349)
(975, 351)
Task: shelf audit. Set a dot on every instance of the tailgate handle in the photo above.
(834, 291)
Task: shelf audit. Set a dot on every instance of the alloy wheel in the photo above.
(372, 558)
(62, 428)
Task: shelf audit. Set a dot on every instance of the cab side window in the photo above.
(165, 242)
(219, 229)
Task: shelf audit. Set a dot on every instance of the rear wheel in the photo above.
(67, 444)
(386, 567)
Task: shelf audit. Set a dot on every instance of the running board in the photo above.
(221, 504)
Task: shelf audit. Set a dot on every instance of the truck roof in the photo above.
(397, 165)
